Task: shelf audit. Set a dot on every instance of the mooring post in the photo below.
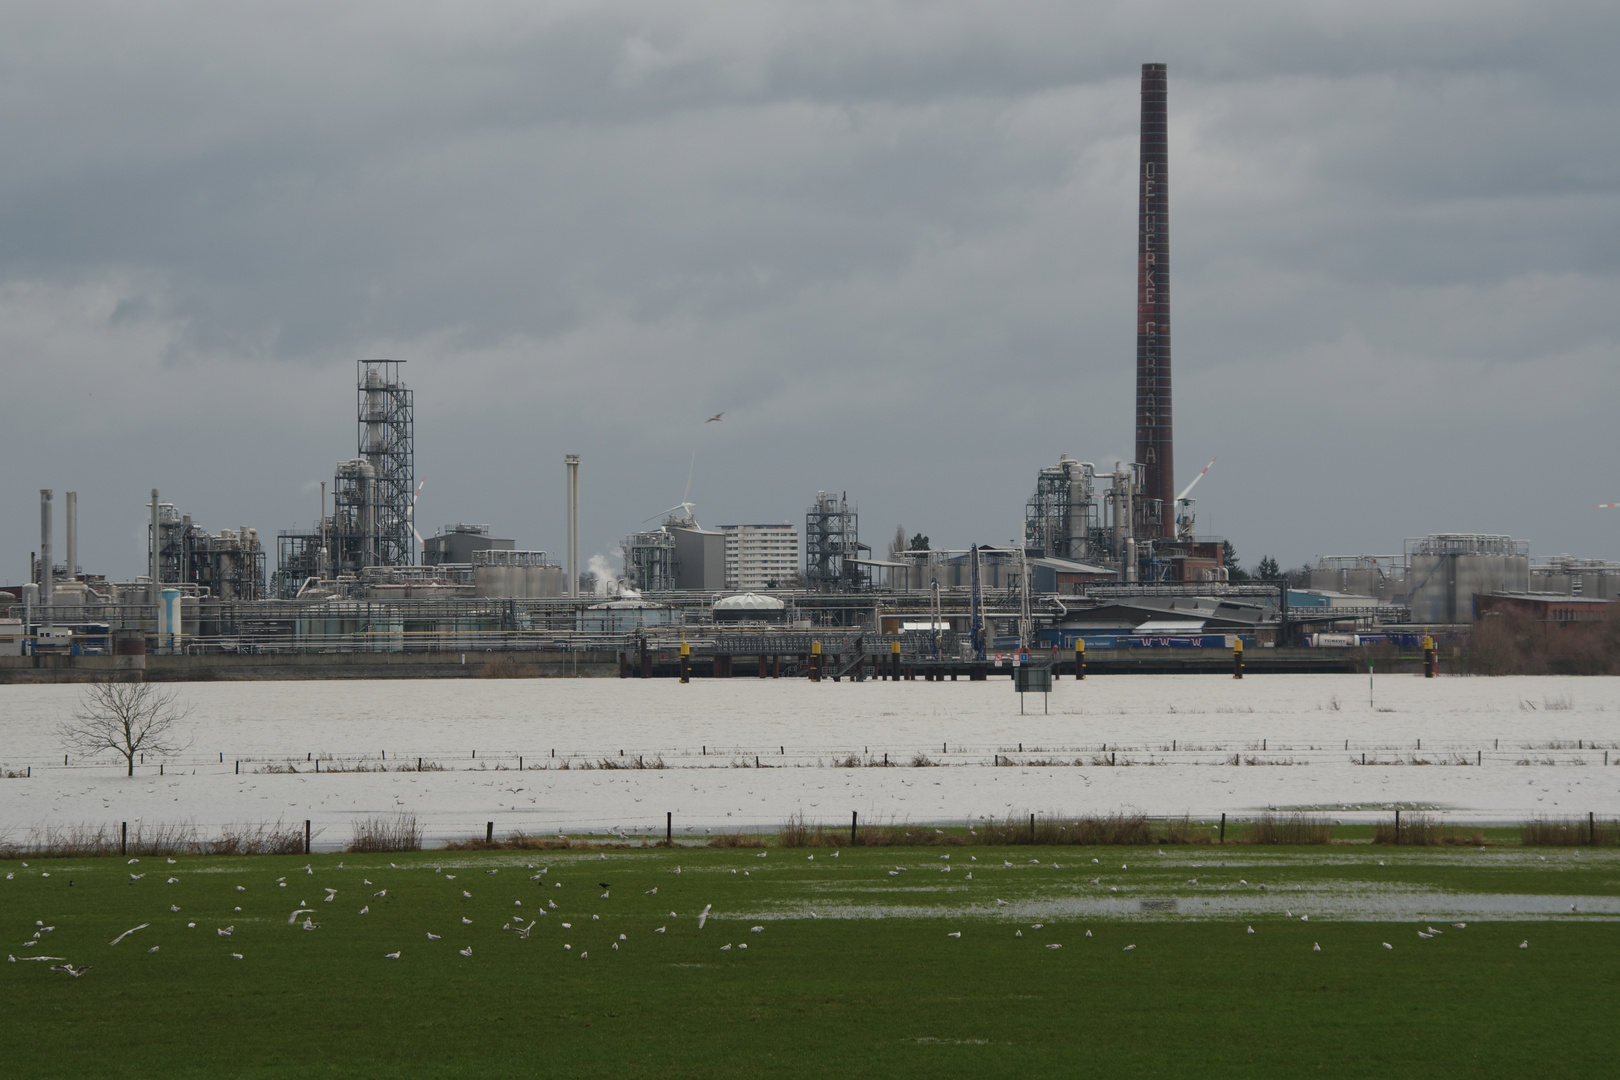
(686, 662)
(1428, 656)
(306, 836)
(669, 828)
(1237, 658)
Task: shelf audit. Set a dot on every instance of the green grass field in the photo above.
(853, 973)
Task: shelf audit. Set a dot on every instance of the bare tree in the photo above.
(128, 718)
(898, 544)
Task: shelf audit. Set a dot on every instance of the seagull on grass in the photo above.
(69, 969)
(391, 956)
(433, 936)
(465, 952)
(1316, 947)
(1128, 948)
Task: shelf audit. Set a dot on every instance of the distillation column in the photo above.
(572, 461)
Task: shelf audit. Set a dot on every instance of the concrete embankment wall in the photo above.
(456, 665)
(225, 667)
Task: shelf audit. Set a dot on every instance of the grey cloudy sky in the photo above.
(894, 242)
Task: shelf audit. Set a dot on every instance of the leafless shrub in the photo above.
(738, 839)
(921, 761)
(386, 832)
(62, 841)
(258, 839)
(81, 841)
(848, 761)
(1421, 829)
(1294, 828)
(1569, 832)
(796, 832)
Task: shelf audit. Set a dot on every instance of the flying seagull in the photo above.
(716, 418)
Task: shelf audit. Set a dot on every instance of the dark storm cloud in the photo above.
(895, 242)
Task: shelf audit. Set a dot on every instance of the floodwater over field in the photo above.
(1477, 750)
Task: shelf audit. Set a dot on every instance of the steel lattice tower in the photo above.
(387, 422)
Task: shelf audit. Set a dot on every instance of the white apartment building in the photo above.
(759, 556)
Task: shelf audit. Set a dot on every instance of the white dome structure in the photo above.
(749, 607)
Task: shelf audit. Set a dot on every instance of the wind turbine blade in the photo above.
(1188, 490)
(1605, 506)
(692, 465)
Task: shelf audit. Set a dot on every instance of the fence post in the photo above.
(1223, 828)
(306, 836)
(853, 815)
(1032, 828)
(489, 832)
(1397, 827)
(669, 828)
(1591, 827)
(123, 838)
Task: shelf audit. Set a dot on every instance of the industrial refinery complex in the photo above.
(1111, 563)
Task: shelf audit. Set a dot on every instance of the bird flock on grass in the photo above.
(301, 915)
